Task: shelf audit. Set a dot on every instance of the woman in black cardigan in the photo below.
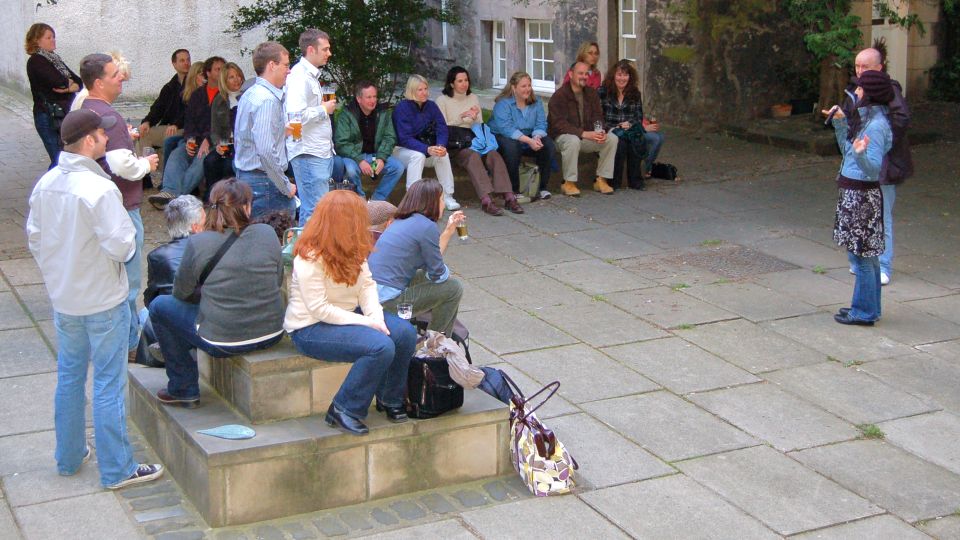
(52, 84)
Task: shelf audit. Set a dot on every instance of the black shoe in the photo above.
(846, 319)
(397, 415)
(843, 311)
(336, 418)
(167, 399)
(638, 184)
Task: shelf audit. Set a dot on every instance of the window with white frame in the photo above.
(628, 29)
(499, 55)
(540, 54)
(443, 26)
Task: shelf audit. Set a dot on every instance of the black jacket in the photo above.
(169, 107)
(162, 265)
(197, 116)
(44, 77)
(897, 165)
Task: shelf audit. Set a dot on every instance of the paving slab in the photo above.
(37, 301)
(609, 244)
(43, 485)
(555, 406)
(846, 343)
(752, 347)
(679, 365)
(807, 286)
(668, 208)
(671, 270)
(478, 260)
(26, 403)
(532, 290)
(932, 437)
(484, 226)
(944, 307)
(23, 352)
(674, 507)
(552, 219)
(446, 529)
(95, 517)
(12, 314)
(934, 379)
(849, 393)
(885, 526)
(804, 253)
(8, 527)
(668, 426)
(594, 277)
(756, 479)
(600, 324)
(533, 518)
(935, 267)
(584, 373)
(947, 528)
(509, 330)
(21, 271)
(475, 298)
(907, 324)
(768, 413)
(892, 478)
(668, 308)
(537, 250)
(947, 350)
(750, 301)
(907, 288)
(605, 457)
(667, 234)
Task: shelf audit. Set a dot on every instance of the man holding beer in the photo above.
(309, 110)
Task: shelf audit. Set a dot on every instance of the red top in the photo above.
(211, 93)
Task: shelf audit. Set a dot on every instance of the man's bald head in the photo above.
(868, 59)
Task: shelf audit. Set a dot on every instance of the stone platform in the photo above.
(301, 465)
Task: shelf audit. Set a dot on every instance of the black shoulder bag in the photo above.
(195, 296)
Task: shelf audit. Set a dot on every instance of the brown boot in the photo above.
(602, 186)
(570, 189)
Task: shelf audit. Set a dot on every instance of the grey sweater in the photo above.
(241, 296)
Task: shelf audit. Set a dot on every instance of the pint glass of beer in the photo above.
(295, 120)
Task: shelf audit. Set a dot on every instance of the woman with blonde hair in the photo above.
(422, 138)
(520, 125)
(52, 84)
(334, 313)
(589, 53)
(223, 114)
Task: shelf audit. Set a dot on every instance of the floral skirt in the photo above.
(859, 222)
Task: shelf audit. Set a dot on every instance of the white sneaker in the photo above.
(852, 271)
(544, 194)
(522, 199)
(451, 203)
(884, 279)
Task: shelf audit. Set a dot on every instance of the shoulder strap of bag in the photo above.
(216, 257)
(524, 400)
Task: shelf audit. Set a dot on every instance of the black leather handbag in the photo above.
(459, 138)
(430, 389)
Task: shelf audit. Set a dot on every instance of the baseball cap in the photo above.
(81, 122)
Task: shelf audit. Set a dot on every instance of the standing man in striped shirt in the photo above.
(261, 152)
(311, 156)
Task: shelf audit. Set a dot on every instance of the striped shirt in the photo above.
(259, 136)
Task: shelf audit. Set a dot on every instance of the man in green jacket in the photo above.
(364, 138)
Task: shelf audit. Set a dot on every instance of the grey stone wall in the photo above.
(17, 17)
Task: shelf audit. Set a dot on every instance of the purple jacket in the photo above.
(409, 120)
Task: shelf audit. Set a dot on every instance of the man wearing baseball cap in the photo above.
(80, 234)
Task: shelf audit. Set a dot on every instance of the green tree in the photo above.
(370, 39)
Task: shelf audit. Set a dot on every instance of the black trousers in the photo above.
(512, 150)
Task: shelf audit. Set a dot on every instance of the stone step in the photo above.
(302, 465)
(274, 384)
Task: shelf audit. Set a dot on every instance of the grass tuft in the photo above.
(870, 431)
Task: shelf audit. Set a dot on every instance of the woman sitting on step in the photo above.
(334, 313)
(239, 308)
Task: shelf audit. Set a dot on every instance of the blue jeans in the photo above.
(266, 197)
(100, 338)
(169, 145)
(49, 135)
(865, 305)
(312, 174)
(135, 278)
(889, 197)
(175, 323)
(653, 141)
(380, 362)
(182, 173)
(389, 176)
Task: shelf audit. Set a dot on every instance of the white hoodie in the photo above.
(80, 235)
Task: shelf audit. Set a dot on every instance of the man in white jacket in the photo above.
(81, 235)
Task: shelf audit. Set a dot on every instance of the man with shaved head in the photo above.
(897, 165)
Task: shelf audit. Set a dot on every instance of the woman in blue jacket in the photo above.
(422, 138)
(520, 125)
(864, 140)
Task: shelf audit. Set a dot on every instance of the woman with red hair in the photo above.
(334, 313)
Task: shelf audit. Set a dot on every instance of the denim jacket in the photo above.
(509, 121)
(865, 166)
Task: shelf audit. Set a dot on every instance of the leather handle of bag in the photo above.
(553, 387)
